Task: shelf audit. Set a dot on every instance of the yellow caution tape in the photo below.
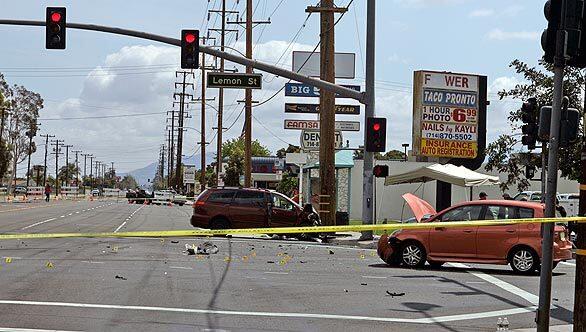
(291, 230)
(581, 252)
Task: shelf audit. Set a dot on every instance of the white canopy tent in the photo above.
(458, 175)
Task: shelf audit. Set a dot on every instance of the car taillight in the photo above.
(198, 203)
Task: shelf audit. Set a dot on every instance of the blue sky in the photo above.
(101, 74)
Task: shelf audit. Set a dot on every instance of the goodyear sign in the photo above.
(445, 114)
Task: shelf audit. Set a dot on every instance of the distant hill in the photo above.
(142, 175)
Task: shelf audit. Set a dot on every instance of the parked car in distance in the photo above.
(223, 208)
(96, 192)
(516, 244)
(166, 196)
(20, 190)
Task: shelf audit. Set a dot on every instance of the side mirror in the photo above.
(308, 208)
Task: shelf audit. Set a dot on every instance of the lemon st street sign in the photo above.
(234, 80)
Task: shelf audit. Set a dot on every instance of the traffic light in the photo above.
(553, 14)
(529, 128)
(189, 49)
(376, 134)
(577, 33)
(380, 171)
(569, 125)
(55, 28)
(529, 172)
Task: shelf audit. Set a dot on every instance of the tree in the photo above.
(128, 182)
(505, 154)
(281, 153)
(5, 157)
(36, 173)
(390, 155)
(288, 184)
(67, 173)
(233, 150)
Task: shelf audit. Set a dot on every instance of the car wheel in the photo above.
(524, 260)
(435, 265)
(180, 204)
(219, 223)
(413, 254)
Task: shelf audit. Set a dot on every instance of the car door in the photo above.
(249, 209)
(283, 212)
(494, 242)
(457, 242)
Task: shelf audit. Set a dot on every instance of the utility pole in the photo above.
(220, 128)
(2, 118)
(57, 151)
(552, 178)
(67, 183)
(367, 177)
(248, 96)
(182, 95)
(45, 165)
(85, 155)
(169, 158)
(327, 116)
(91, 172)
(77, 152)
(580, 230)
(30, 151)
(203, 142)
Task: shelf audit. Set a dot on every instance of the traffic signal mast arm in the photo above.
(342, 91)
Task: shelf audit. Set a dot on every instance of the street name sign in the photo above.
(306, 90)
(314, 124)
(234, 80)
(314, 109)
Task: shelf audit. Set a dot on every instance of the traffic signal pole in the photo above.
(367, 177)
(551, 189)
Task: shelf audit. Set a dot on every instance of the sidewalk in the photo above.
(559, 328)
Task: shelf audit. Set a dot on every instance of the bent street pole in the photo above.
(342, 91)
(367, 190)
(551, 190)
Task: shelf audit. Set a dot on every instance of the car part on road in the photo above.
(393, 294)
(413, 254)
(120, 277)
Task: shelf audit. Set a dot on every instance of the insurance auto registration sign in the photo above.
(445, 114)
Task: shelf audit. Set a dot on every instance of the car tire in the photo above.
(435, 265)
(413, 255)
(219, 223)
(180, 204)
(524, 260)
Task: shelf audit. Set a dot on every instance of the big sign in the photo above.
(446, 115)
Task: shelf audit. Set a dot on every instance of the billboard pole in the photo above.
(367, 178)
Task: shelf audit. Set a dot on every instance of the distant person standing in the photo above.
(47, 192)
(507, 197)
(482, 196)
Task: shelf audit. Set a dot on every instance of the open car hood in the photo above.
(418, 206)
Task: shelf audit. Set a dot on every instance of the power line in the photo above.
(102, 116)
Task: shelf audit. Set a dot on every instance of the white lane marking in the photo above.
(373, 277)
(568, 263)
(121, 225)
(181, 267)
(270, 272)
(62, 217)
(70, 214)
(92, 262)
(531, 298)
(13, 329)
(429, 320)
(12, 257)
(77, 212)
(37, 224)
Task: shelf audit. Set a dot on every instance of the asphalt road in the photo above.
(249, 285)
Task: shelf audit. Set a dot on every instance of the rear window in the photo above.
(222, 196)
(250, 198)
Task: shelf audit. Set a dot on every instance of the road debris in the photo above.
(270, 262)
(363, 284)
(174, 241)
(120, 277)
(393, 294)
(331, 252)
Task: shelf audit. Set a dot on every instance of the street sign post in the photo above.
(310, 139)
(314, 109)
(234, 80)
(314, 124)
(306, 90)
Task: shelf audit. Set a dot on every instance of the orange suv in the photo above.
(516, 244)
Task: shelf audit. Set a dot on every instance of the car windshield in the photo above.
(272, 165)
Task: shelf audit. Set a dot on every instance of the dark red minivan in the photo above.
(223, 208)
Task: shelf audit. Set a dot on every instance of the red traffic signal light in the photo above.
(55, 28)
(56, 17)
(380, 171)
(189, 49)
(376, 134)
